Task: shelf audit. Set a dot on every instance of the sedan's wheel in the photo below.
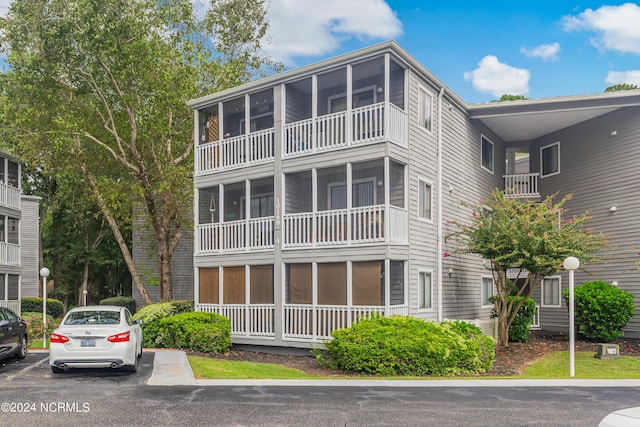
(140, 354)
(22, 348)
(56, 370)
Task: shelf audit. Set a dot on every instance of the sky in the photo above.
(479, 49)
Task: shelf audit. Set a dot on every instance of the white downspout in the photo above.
(439, 214)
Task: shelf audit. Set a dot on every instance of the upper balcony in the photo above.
(9, 196)
(354, 104)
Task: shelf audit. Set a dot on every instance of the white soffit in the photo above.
(529, 126)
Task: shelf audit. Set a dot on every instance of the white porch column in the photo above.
(349, 202)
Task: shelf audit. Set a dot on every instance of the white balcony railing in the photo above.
(246, 319)
(254, 148)
(521, 185)
(9, 253)
(13, 305)
(9, 196)
(233, 236)
(303, 321)
(345, 226)
(372, 123)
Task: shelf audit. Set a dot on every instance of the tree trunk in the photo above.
(503, 328)
(84, 287)
(116, 232)
(164, 260)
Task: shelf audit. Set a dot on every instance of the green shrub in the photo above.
(478, 354)
(601, 310)
(151, 316)
(34, 305)
(127, 302)
(406, 345)
(35, 326)
(196, 331)
(520, 328)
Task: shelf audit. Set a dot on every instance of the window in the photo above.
(425, 289)
(551, 292)
(424, 200)
(487, 291)
(550, 159)
(425, 109)
(487, 154)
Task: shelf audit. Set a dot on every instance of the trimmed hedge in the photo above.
(151, 316)
(127, 302)
(405, 345)
(601, 310)
(196, 331)
(55, 307)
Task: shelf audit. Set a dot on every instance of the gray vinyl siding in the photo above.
(464, 180)
(29, 246)
(422, 166)
(601, 171)
(146, 262)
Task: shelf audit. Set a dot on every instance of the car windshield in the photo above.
(93, 318)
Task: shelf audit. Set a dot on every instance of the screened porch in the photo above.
(350, 204)
(319, 297)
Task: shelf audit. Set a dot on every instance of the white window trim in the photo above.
(493, 290)
(432, 96)
(542, 304)
(542, 149)
(493, 154)
(425, 309)
(421, 181)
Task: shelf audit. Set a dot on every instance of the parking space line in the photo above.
(28, 368)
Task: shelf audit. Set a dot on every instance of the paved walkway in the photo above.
(171, 368)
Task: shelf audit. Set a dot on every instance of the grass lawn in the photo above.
(37, 343)
(554, 366)
(207, 368)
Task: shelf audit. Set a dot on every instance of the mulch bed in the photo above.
(509, 361)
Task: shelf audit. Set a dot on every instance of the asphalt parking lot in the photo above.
(35, 371)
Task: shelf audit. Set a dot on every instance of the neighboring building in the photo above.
(326, 193)
(19, 237)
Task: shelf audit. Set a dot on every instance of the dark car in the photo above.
(13, 335)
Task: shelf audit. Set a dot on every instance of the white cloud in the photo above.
(547, 52)
(299, 28)
(4, 7)
(616, 27)
(496, 78)
(621, 77)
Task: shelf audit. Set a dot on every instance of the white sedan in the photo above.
(96, 337)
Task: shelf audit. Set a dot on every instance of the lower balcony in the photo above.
(9, 253)
(301, 321)
(523, 185)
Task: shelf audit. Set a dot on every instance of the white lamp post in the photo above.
(571, 263)
(44, 272)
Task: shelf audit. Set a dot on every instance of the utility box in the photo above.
(608, 351)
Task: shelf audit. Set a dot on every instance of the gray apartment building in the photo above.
(326, 193)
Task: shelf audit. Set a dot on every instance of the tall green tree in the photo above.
(622, 86)
(101, 86)
(533, 238)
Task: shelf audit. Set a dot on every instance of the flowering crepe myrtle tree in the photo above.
(534, 238)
